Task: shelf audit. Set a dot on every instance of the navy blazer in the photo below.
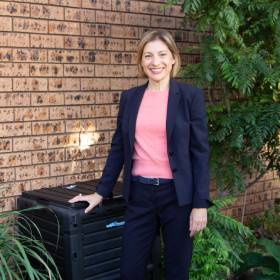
(187, 141)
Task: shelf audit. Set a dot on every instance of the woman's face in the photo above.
(157, 61)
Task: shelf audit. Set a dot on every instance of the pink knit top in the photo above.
(150, 157)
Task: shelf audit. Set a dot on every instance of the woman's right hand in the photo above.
(92, 199)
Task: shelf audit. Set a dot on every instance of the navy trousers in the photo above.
(150, 208)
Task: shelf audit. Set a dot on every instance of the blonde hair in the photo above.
(166, 38)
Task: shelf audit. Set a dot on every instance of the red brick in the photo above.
(8, 204)
(31, 114)
(6, 114)
(114, 110)
(30, 84)
(15, 129)
(101, 5)
(80, 152)
(47, 12)
(63, 168)
(70, 179)
(30, 25)
(131, 45)
(14, 189)
(81, 15)
(110, 17)
(64, 84)
(46, 156)
(88, 165)
(46, 41)
(6, 54)
(137, 19)
(65, 112)
(14, 99)
(63, 56)
(102, 137)
(125, 6)
(105, 123)
(29, 55)
(122, 84)
(45, 70)
(29, 143)
(72, 98)
(32, 171)
(56, 141)
(63, 27)
(5, 145)
(71, 42)
(120, 31)
(14, 69)
(92, 111)
(70, 3)
(6, 84)
(109, 44)
(15, 159)
(14, 39)
(109, 70)
(14, 9)
(33, 1)
(95, 84)
(80, 70)
(107, 97)
(99, 164)
(130, 71)
(151, 8)
(47, 98)
(6, 24)
(123, 58)
(93, 29)
(162, 22)
(74, 153)
(95, 57)
(80, 125)
(46, 182)
(102, 150)
(47, 127)
(7, 174)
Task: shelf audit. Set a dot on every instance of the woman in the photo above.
(161, 139)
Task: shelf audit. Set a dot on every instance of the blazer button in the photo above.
(174, 170)
(171, 153)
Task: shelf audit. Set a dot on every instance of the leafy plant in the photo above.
(217, 249)
(268, 263)
(239, 69)
(18, 252)
(267, 224)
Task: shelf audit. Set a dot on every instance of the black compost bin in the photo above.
(84, 246)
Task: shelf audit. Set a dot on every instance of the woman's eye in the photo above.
(162, 54)
(147, 56)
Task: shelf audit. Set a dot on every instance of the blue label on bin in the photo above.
(115, 224)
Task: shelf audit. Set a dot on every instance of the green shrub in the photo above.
(217, 249)
(18, 252)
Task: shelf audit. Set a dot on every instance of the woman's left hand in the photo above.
(198, 220)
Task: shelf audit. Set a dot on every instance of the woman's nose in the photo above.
(155, 61)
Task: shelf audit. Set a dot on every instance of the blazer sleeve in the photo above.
(115, 159)
(199, 151)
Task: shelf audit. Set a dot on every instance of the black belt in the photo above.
(151, 181)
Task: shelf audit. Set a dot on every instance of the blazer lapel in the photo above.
(173, 101)
(134, 108)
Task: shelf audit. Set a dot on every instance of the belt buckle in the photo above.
(157, 182)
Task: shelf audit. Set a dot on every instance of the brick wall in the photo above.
(63, 65)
